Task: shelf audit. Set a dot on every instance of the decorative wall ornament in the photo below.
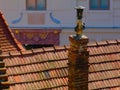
(56, 31)
(18, 19)
(54, 19)
(17, 31)
(39, 36)
(43, 35)
(29, 35)
(36, 18)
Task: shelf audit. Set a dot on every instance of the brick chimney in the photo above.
(78, 57)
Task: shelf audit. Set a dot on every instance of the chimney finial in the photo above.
(80, 26)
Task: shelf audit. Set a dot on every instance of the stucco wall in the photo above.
(94, 34)
(62, 10)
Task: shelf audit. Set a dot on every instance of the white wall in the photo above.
(63, 10)
(116, 13)
(94, 34)
(102, 18)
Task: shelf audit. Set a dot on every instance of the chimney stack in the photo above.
(78, 56)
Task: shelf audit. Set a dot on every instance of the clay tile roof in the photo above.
(41, 70)
(47, 49)
(118, 41)
(47, 68)
(7, 40)
(104, 66)
(92, 44)
(101, 43)
(59, 48)
(111, 41)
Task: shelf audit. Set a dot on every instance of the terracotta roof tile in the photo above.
(48, 49)
(59, 48)
(111, 41)
(7, 40)
(106, 84)
(118, 40)
(47, 68)
(92, 44)
(104, 75)
(104, 49)
(100, 43)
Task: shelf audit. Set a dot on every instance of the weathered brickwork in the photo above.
(78, 64)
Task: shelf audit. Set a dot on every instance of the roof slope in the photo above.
(47, 68)
(7, 40)
(104, 70)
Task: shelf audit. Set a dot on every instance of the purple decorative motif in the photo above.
(38, 36)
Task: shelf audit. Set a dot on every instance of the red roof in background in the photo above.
(46, 68)
(7, 40)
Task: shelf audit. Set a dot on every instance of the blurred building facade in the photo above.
(52, 21)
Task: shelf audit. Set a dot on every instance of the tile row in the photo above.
(45, 75)
(36, 58)
(104, 49)
(104, 58)
(104, 66)
(104, 75)
(52, 84)
(36, 67)
(103, 43)
(103, 84)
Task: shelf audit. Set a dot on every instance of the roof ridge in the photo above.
(103, 43)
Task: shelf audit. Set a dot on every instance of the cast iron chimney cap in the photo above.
(79, 7)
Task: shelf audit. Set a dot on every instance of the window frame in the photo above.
(36, 9)
(99, 7)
